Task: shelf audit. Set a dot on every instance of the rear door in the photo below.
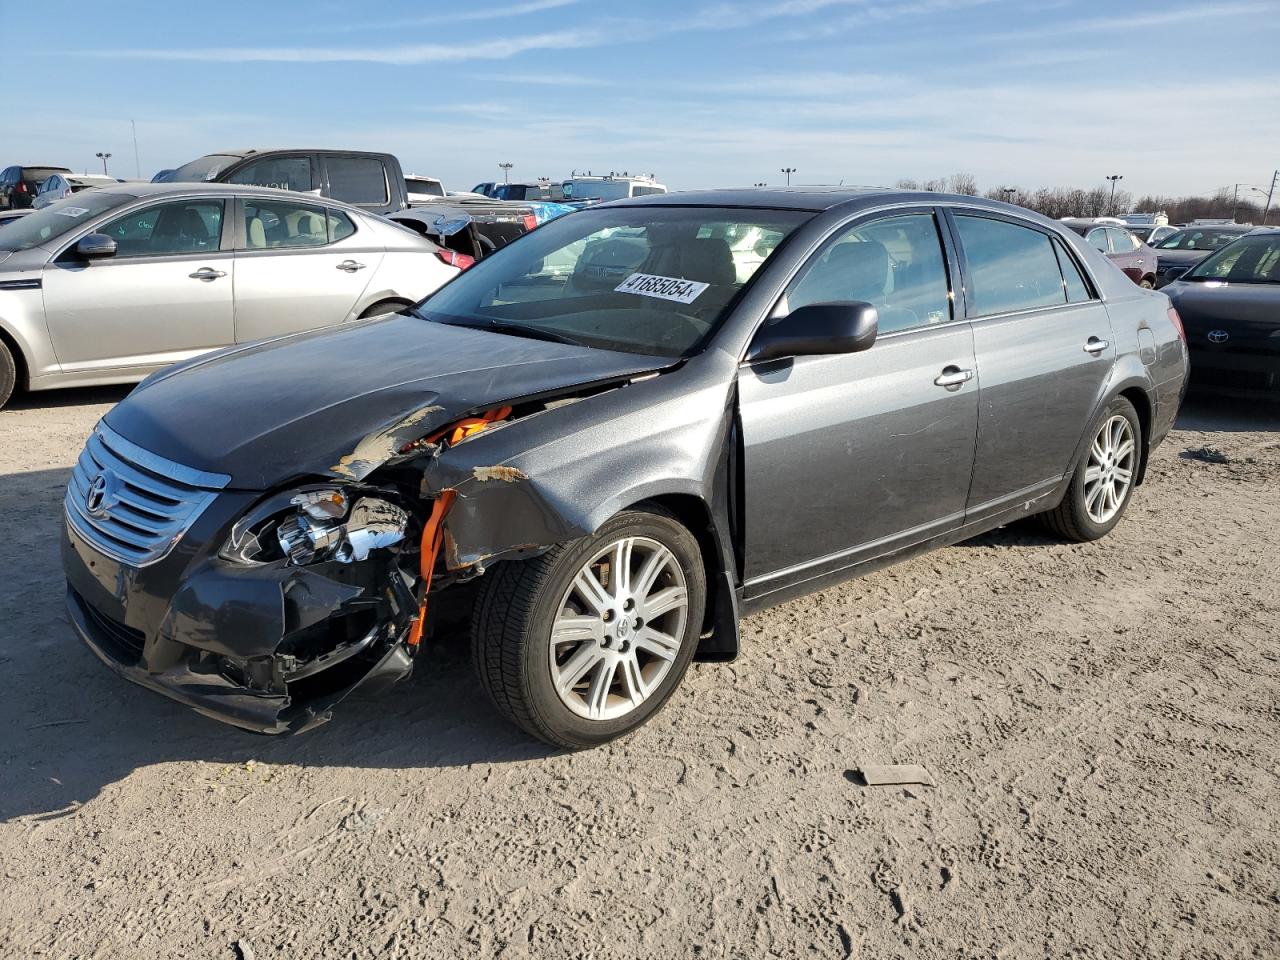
(847, 457)
(299, 265)
(164, 296)
(1126, 253)
(1044, 348)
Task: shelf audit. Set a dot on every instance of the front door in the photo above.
(166, 294)
(848, 457)
(1045, 348)
(298, 265)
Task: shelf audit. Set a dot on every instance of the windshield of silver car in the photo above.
(652, 280)
(59, 217)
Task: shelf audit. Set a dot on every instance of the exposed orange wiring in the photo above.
(433, 529)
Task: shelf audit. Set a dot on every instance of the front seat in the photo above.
(709, 260)
(179, 229)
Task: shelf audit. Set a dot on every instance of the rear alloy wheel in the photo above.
(586, 642)
(1103, 481)
(1147, 283)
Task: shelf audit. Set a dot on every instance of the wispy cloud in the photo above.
(440, 17)
(499, 48)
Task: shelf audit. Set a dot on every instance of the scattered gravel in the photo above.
(1100, 723)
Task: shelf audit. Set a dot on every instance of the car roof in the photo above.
(815, 199)
(143, 190)
(1227, 227)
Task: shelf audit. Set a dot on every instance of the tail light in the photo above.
(66, 193)
(530, 221)
(1177, 324)
(20, 188)
(455, 259)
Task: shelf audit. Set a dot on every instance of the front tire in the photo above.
(1103, 480)
(586, 642)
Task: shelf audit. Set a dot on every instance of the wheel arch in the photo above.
(23, 376)
(1142, 405)
(719, 634)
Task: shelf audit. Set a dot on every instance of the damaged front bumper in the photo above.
(270, 648)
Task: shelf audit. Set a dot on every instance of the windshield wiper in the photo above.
(515, 330)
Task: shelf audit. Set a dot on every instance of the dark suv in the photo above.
(18, 185)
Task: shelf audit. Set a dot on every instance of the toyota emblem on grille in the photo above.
(1218, 336)
(101, 494)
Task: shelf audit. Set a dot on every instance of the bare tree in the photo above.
(963, 183)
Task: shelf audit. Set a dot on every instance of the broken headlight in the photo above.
(317, 530)
(318, 525)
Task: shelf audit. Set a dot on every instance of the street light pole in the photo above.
(788, 171)
(1270, 192)
(506, 171)
(1113, 178)
(1008, 193)
(104, 157)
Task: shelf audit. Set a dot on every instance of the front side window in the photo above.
(283, 173)
(358, 180)
(180, 226)
(894, 264)
(1253, 259)
(652, 280)
(276, 224)
(1011, 267)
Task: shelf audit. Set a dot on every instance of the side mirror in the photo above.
(819, 328)
(95, 246)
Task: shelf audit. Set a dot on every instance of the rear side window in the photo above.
(359, 180)
(1122, 241)
(275, 224)
(340, 226)
(1077, 289)
(1010, 267)
(1098, 239)
(283, 173)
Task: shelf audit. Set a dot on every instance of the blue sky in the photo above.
(1179, 97)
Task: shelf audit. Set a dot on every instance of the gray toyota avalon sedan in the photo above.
(607, 442)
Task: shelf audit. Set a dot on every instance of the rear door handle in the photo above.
(1096, 346)
(953, 376)
(206, 274)
(350, 266)
(1141, 261)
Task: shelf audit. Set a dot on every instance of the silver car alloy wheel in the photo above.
(619, 628)
(1109, 472)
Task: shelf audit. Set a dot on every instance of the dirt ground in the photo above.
(1102, 723)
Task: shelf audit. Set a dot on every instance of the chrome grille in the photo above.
(129, 503)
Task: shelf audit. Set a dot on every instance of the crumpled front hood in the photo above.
(338, 401)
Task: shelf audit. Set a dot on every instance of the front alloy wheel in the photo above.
(587, 641)
(620, 628)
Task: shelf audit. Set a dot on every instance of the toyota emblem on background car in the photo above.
(1218, 336)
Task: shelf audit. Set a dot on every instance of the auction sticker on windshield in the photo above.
(664, 288)
(72, 212)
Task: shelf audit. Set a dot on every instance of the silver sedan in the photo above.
(110, 285)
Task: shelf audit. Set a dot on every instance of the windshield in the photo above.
(421, 185)
(58, 218)
(1198, 239)
(202, 169)
(1248, 260)
(651, 280)
(598, 189)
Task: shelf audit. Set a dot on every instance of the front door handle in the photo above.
(953, 376)
(350, 266)
(206, 274)
(1141, 261)
(1096, 346)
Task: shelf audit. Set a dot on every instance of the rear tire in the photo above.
(1148, 283)
(1104, 477)
(574, 654)
(8, 374)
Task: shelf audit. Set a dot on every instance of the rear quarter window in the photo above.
(358, 180)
